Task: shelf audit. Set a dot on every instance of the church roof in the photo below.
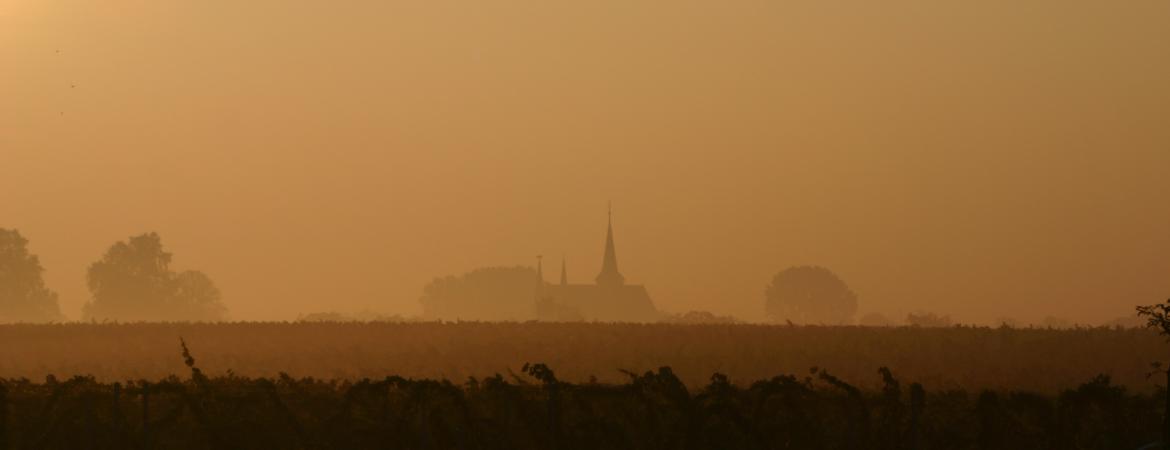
(627, 303)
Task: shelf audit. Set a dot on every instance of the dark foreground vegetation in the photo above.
(535, 410)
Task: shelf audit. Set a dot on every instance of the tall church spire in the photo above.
(609, 270)
(564, 273)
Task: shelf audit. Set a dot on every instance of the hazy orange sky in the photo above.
(981, 158)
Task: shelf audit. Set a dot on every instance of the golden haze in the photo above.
(981, 159)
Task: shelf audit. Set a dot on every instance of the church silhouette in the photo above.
(608, 299)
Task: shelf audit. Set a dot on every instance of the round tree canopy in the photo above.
(810, 295)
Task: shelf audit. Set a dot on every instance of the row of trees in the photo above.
(803, 295)
(133, 281)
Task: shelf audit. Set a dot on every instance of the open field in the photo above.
(969, 358)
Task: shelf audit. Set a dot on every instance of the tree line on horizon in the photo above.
(133, 281)
(798, 295)
(801, 295)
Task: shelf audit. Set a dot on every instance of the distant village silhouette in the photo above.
(608, 298)
(521, 293)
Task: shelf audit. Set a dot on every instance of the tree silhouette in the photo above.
(23, 295)
(195, 297)
(133, 281)
(491, 293)
(1157, 316)
(811, 295)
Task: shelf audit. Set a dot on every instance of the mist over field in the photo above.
(981, 161)
(522, 224)
(1039, 360)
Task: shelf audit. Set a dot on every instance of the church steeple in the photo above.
(564, 273)
(539, 277)
(609, 275)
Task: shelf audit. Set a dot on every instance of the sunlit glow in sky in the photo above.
(980, 159)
